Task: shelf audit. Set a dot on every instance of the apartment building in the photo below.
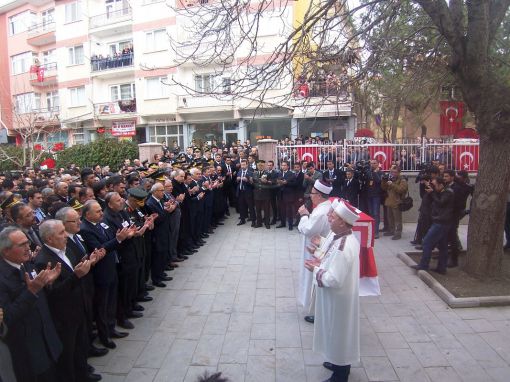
(90, 67)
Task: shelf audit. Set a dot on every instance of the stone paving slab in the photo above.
(232, 308)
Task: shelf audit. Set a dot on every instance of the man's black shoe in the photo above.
(280, 226)
(204, 236)
(273, 222)
(92, 377)
(169, 268)
(290, 228)
(116, 334)
(138, 308)
(159, 284)
(241, 222)
(418, 268)
(108, 343)
(253, 224)
(310, 319)
(167, 278)
(149, 288)
(135, 315)
(256, 225)
(90, 368)
(125, 324)
(94, 351)
(181, 258)
(328, 365)
(144, 299)
(192, 251)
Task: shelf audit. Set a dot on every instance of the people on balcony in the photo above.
(117, 60)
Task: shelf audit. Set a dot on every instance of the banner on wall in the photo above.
(123, 128)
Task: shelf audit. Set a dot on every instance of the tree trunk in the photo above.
(394, 122)
(486, 221)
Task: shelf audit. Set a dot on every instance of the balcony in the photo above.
(116, 109)
(111, 67)
(40, 117)
(204, 103)
(43, 75)
(42, 34)
(111, 23)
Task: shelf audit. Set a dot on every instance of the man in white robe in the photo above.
(310, 225)
(336, 331)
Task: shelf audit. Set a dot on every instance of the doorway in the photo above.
(230, 137)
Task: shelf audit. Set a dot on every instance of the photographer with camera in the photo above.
(443, 204)
(396, 187)
(424, 217)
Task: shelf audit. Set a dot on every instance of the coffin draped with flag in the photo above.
(364, 231)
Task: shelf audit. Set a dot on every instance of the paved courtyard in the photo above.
(231, 307)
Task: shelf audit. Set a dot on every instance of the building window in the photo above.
(156, 87)
(122, 92)
(49, 57)
(21, 63)
(52, 101)
(76, 55)
(78, 137)
(118, 47)
(21, 22)
(156, 40)
(77, 96)
(226, 85)
(26, 103)
(166, 134)
(204, 83)
(48, 18)
(73, 12)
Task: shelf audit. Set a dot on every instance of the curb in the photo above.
(450, 299)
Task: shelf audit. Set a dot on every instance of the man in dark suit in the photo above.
(23, 216)
(127, 268)
(262, 194)
(350, 188)
(287, 183)
(96, 234)
(244, 193)
(299, 190)
(32, 338)
(75, 249)
(66, 299)
(273, 175)
(160, 235)
(334, 177)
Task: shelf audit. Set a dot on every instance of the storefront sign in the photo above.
(123, 128)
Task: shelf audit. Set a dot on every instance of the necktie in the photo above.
(242, 176)
(79, 244)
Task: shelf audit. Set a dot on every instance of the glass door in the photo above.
(230, 137)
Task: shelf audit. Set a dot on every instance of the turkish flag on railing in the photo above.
(308, 153)
(466, 157)
(451, 116)
(40, 74)
(382, 154)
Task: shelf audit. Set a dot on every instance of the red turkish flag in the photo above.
(383, 154)
(40, 74)
(308, 153)
(451, 117)
(466, 157)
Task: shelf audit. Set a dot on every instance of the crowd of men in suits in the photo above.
(81, 250)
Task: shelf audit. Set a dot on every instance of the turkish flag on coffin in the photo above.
(466, 157)
(382, 154)
(308, 153)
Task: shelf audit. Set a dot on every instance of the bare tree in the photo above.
(466, 42)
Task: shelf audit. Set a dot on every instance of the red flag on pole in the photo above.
(451, 116)
(383, 154)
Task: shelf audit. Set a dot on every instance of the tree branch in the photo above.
(497, 12)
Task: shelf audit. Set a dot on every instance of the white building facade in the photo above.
(108, 68)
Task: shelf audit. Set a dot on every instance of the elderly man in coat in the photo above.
(336, 334)
(312, 224)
